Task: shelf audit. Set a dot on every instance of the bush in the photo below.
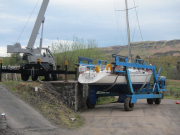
(13, 59)
(69, 51)
(173, 74)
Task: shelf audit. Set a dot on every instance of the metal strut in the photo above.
(128, 79)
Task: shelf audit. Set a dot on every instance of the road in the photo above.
(103, 119)
(163, 119)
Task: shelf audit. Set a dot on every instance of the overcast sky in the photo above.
(90, 19)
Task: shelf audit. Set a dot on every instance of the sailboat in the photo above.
(103, 78)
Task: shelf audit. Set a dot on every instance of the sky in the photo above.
(89, 19)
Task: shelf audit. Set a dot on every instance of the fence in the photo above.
(10, 76)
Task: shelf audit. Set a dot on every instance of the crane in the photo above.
(39, 58)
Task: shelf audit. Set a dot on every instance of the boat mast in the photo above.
(127, 23)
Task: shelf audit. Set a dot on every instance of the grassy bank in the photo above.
(105, 100)
(45, 102)
(173, 89)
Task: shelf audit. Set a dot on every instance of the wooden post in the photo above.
(0, 69)
(76, 97)
(76, 72)
(66, 63)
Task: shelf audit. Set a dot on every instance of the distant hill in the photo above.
(153, 48)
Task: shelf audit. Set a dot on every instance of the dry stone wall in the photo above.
(73, 93)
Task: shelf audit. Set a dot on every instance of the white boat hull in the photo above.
(105, 78)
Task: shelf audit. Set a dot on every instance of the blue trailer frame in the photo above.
(153, 94)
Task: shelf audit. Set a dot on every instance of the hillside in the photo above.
(153, 48)
(156, 51)
(168, 49)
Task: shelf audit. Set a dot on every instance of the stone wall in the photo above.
(73, 93)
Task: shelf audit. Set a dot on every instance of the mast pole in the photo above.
(128, 32)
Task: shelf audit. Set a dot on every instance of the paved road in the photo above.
(19, 114)
(144, 119)
(104, 119)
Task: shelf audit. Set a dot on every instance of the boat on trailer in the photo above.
(105, 79)
(129, 81)
(123, 83)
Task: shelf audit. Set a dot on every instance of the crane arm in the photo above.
(37, 25)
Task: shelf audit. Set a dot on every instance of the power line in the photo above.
(27, 21)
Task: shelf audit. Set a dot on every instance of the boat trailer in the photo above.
(153, 93)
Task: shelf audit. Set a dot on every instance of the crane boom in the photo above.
(37, 25)
(35, 53)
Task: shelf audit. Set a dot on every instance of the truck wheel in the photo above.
(157, 101)
(34, 78)
(24, 77)
(55, 77)
(128, 106)
(88, 103)
(150, 100)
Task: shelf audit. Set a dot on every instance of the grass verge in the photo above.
(104, 100)
(171, 97)
(173, 89)
(47, 104)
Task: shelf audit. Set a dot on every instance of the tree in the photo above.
(25, 57)
(138, 57)
(178, 67)
(69, 51)
(14, 58)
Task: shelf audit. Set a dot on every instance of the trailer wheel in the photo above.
(24, 77)
(88, 103)
(34, 78)
(150, 100)
(128, 106)
(157, 101)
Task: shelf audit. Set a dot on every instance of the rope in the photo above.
(140, 32)
(27, 21)
(144, 82)
(111, 85)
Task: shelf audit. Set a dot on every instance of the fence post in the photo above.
(0, 70)
(75, 72)
(66, 63)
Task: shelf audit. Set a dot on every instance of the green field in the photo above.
(173, 89)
